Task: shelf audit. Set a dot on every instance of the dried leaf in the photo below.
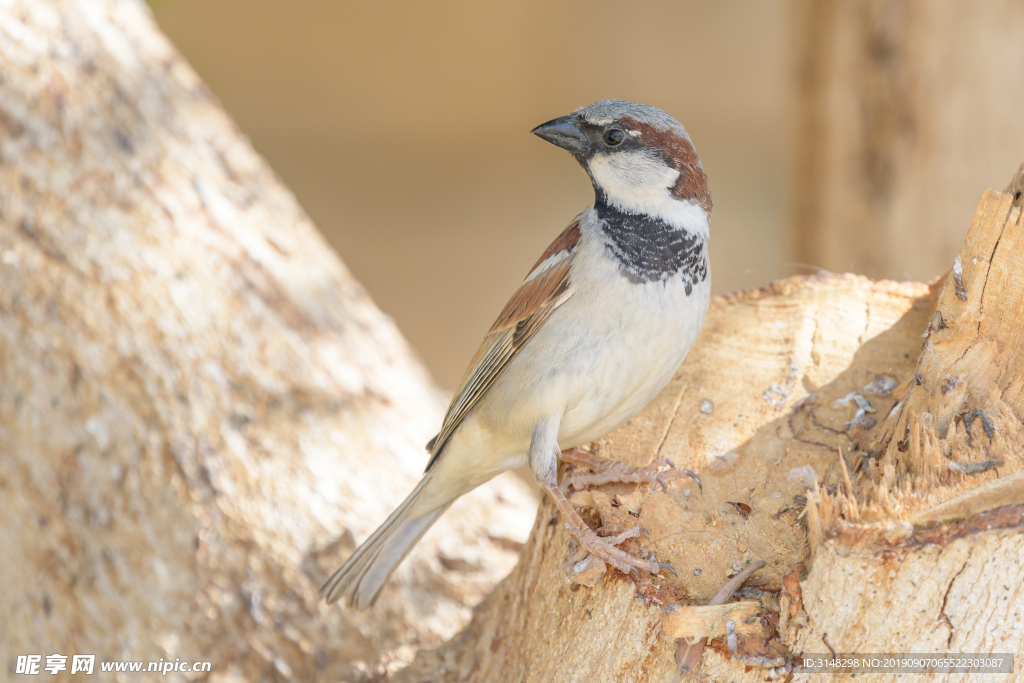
(741, 508)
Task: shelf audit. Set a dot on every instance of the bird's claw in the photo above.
(665, 565)
(693, 475)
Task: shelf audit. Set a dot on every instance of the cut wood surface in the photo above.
(827, 436)
(201, 412)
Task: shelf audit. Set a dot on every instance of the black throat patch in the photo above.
(650, 250)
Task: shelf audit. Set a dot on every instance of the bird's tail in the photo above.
(364, 574)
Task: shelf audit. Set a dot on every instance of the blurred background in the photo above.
(841, 135)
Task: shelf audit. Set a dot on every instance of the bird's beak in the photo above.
(563, 132)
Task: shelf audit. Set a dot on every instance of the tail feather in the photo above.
(364, 574)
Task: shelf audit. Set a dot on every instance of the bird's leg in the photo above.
(544, 465)
(602, 547)
(659, 472)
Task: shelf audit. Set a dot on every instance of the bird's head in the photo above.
(639, 158)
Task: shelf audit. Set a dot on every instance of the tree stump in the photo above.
(878, 478)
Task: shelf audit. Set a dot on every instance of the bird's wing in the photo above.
(545, 289)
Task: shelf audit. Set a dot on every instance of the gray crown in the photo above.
(605, 111)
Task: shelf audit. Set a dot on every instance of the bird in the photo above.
(596, 330)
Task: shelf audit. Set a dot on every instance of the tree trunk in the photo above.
(201, 411)
(878, 479)
(908, 109)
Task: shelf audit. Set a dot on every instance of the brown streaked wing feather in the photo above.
(564, 242)
(522, 316)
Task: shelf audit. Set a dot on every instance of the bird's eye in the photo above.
(613, 136)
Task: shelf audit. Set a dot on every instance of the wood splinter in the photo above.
(688, 652)
(709, 621)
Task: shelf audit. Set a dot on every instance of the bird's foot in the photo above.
(659, 472)
(603, 547)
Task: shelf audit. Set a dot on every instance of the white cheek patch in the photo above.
(637, 180)
(632, 174)
(641, 182)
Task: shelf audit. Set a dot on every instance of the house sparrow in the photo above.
(598, 328)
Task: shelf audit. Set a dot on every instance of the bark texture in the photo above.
(201, 411)
(908, 109)
(877, 477)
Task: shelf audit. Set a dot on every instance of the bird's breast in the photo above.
(628, 353)
(604, 353)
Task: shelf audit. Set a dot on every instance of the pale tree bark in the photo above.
(878, 479)
(907, 110)
(200, 410)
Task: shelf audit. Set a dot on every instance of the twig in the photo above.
(824, 639)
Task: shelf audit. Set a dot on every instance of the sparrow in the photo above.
(596, 330)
